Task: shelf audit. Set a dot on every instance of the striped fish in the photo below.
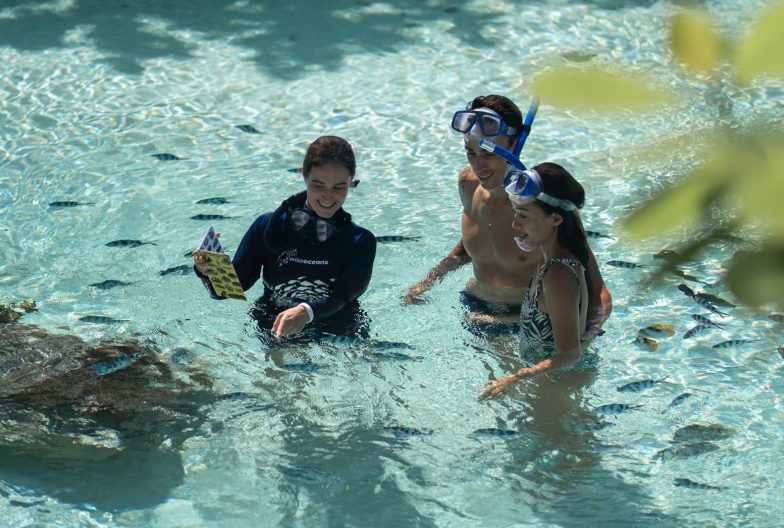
(165, 156)
(686, 483)
(596, 234)
(701, 319)
(624, 264)
(679, 399)
(109, 284)
(218, 200)
(66, 203)
(734, 343)
(708, 306)
(103, 368)
(493, 431)
(637, 386)
(718, 301)
(402, 431)
(615, 408)
(695, 331)
(248, 129)
(685, 451)
(211, 217)
(396, 238)
(126, 242)
(687, 291)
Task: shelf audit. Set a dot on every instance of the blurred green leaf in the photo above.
(595, 89)
(694, 41)
(757, 278)
(760, 190)
(761, 52)
(680, 206)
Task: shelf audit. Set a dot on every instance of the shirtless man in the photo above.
(502, 271)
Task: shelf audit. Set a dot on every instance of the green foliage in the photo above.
(740, 186)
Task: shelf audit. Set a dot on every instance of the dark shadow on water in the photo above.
(286, 38)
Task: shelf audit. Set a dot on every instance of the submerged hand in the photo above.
(414, 295)
(290, 322)
(496, 388)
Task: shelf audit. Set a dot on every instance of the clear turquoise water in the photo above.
(88, 90)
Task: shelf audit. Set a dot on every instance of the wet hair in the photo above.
(329, 149)
(558, 183)
(502, 105)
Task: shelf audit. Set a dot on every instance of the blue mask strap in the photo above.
(513, 158)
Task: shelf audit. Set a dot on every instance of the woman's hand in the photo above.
(199, 261)
(496, 388)
(290, 321)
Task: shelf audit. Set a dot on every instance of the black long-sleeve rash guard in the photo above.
(328, 276)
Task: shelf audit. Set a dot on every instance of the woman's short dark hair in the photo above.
(502, 105)
(329, 149)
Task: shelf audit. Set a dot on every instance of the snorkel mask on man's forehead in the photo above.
(491, 124)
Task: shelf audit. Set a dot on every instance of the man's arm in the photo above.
(466, 185)
(456, 258)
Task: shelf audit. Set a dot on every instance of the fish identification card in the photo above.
(222, 275)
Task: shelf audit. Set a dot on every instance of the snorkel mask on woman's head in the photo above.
(527, 185)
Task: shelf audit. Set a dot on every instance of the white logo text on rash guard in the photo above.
(291, 256)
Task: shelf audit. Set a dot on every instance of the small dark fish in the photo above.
(388, 356)
(181, 356)
(300, 367)
(492, 431)
(679, 399)
(213, 201)
(577, 56)
(128, 243)
(686, 483)
(734, 343)
(779, 318)
(646, 343)
(696, 330)
(396, 238)
(165, 156)
(596, 234)
(402, 431)
(356, 341)
(685, 451)
(113, 365)
(109, 284)
(702, 433)
(248, 129)
(294, 170)
(657, 330)
(709, 306)
(637, 386)
(69, 204)
(688, 291)
(211, 217)
(615, 408)
(684, 275)
(236, 396)
(718, 301)
(780, 350)
(592, 426)
(185, 269)
(100, 319)
(624, 264)
(701, 319)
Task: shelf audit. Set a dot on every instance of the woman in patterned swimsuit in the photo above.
(553, 316)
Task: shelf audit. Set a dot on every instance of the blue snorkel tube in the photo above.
(513, 158)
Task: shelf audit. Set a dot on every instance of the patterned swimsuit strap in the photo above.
(568, 262)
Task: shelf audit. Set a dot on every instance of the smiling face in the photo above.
(489, 168)
(532, 226)
(327, 188)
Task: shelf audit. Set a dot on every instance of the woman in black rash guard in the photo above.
(314, 261)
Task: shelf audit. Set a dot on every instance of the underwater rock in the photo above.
(702, 433)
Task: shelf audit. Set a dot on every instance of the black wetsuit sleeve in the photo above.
(248, 259)
(354, 279)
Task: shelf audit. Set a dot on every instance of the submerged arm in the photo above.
(456, 258)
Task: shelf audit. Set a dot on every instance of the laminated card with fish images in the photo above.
(222, 274)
